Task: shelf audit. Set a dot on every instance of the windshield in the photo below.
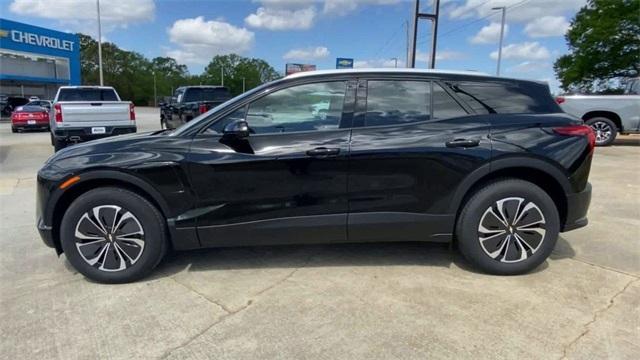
(204, 117)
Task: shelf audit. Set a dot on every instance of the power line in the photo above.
(389, 40)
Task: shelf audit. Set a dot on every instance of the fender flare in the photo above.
(517, 161)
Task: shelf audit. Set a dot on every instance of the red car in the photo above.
(29, 117)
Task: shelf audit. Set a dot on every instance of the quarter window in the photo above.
(397, 102)
(306, 107)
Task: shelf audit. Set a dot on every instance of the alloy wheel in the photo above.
(603, 131)
(109, 238)
(511, 230)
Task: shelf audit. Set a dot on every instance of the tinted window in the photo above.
(218, 126)
(444, 106)
(299, 108)
(397, 102)
(506, 98)
(87, 95)
(206, 94)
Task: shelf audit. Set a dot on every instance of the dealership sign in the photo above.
(294, 68)
(344, 63)
(38, 40)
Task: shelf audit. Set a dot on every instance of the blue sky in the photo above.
(317, 31)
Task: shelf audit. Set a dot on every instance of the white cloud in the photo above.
(517, 10)
(343, 7)
(200, 40)
(279, 18)
(526, 51)
(378, 63)
(450, 55)
(489, 34)
(311, 53)
(547, 26)
(529, 67)
(80, 15)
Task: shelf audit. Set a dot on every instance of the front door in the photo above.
(412, 145)
(286, 182)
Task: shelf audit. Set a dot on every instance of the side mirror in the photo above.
(238, 129)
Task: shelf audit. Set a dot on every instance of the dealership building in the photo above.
(35, 61)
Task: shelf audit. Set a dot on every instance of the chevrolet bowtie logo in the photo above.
(4, 33)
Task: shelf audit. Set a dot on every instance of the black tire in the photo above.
(605, 129)
(58, 144)
(14, 130)
(144, 225)
(540, 238)
(51, 137)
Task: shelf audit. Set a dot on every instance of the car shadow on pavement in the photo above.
(295, 256)
(627, 141)
(327, 255)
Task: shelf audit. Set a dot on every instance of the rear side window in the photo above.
(505, 98)
(87, 95)
(397, 102)
(444, 106)
(206, 94)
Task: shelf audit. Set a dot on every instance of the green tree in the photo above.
(604, 45)
(236, 68)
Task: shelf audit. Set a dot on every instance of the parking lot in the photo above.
(369, 301)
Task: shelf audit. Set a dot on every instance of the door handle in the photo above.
(323, 151)
(462, 143)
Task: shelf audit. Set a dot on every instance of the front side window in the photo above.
(306, 107)
(397, 102)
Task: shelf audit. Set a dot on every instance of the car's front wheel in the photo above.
(508, 227)
(113, 235)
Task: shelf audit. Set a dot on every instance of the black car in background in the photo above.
(189, 102)
(491, 164)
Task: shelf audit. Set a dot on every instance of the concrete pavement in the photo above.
(356, 301)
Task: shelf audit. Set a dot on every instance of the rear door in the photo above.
(286, 182)
(412, 144)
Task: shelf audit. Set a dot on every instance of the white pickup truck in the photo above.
(608, 115)
(81, 113)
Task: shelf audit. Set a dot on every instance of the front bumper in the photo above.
(577, 208)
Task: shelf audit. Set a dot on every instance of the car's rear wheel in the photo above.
(14, 130)
(605, 129)
(113, 235)
(508, 227)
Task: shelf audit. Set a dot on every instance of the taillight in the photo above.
(45, 115)
(132, 112)
(58, 112)
(203, 108)
(560, 99)
(579, 130)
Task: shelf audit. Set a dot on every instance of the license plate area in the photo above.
(31, 122)
(98, 130)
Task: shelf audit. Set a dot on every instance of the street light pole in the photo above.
(395, 59)
(99, 44)
(155, 92)
(504, 15)
(222, 76)
(243, 84)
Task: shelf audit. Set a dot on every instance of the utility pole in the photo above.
(406, 24)
(417, 15)
(504, 15)
(222, 76)
(395, 59)
(243, 85)
(155, 92)
(99, 44)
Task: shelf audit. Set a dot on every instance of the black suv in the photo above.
(489, 163)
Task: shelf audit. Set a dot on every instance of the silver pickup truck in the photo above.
(608, 115)
(81, 113)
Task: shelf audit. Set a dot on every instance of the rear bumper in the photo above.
(84, 133)
(577, 208)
